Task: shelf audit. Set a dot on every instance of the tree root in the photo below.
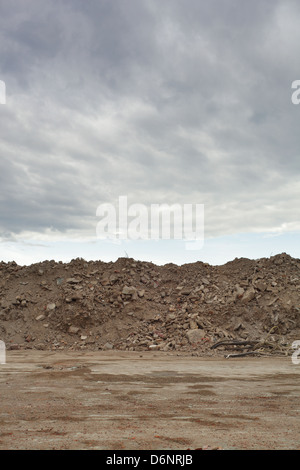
(260, 347)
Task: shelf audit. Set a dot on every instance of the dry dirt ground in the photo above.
(113, 400)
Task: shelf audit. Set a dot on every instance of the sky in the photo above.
(161, 101)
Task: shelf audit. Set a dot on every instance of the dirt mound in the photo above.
(135, 305)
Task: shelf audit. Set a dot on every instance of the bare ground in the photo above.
(113, 400)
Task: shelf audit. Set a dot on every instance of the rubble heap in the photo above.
(135, 305)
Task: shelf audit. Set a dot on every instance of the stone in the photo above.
(248, 295)
(73, 280)
(51, 306)
(4, 304)
(238, 325)
(40, 317)
(171, 316)
(186, 291)
(195, 335)
(193, 324)
(73, 330)
(239, 291)
(126, 290)
(261, 286)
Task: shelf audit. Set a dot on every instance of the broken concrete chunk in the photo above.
(40, 317)
(73, 330)
(186, 291)
(73, 280)
(195, 335)
(51, 306)
(239, 291)
(248, 295)
(261, 286)
(128, 290)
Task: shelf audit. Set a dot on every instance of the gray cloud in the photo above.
(163, 101)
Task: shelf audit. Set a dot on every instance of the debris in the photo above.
(195, 335)
(242, 307)
(73, 330)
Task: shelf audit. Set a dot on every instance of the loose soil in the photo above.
(130, 355)
(137, 306)
(144, 401)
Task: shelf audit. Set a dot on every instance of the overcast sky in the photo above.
(162, 101)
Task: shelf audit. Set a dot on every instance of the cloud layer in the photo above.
(165, 102)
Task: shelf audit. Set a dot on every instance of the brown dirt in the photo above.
(113, 400)
(135, 306)
(102, 355)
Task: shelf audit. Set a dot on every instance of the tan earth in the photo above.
(147, 401)
(130, 355)
(138, 306)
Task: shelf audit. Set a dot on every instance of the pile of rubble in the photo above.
(134, 305)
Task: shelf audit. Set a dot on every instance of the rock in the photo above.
(186, 291)
(40, 317)
(195, 335)
(248, 295)
(4, 304)
(237, 325)
(193, 324)
(130, 291)
(261, 286)
(73, 280)
(51, 306)
(239, 291)
(171, 316)
(108, 346)
(73, 330)
(127, 290)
